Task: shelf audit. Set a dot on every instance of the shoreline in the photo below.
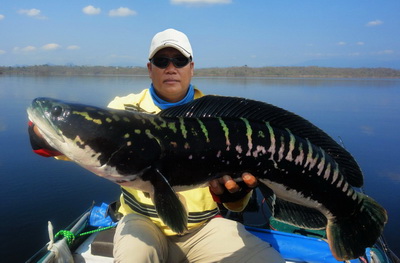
(244, 71)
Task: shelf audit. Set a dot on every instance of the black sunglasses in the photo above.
(163, 62)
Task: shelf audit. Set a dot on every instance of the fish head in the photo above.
(100, 140)
(50, 116)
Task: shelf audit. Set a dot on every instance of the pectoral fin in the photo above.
(169, 208)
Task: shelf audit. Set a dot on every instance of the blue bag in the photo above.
(99, 216)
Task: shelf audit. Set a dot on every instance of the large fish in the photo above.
(185, 147)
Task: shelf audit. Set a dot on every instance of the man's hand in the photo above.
(37, 133)
(218, 186)
(39, 145)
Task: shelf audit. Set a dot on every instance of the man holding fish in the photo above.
(141, 236)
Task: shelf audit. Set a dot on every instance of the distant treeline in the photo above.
(244, 71)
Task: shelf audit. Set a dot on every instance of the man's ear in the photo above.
(149, 68)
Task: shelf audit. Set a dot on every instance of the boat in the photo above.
(89, 239)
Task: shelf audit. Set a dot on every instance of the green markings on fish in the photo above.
(306, 172)
(87, 117)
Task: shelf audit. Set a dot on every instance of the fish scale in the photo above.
(239, 149)
(180, 149)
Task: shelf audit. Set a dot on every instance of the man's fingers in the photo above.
(249, 180)
(37, 132)
(230, 184)
(219, 185)
(216, 187)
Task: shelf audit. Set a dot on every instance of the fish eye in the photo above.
(56, 111)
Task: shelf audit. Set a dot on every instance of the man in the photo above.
(140, 235)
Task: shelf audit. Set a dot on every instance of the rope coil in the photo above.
(67, 234)
(70, 237)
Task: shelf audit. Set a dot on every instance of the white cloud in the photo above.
(122, 11)
(91, 10)
(342, 43)
(360, 43)
(393, 176)
(24, 49)
(35, 13)
(374, 23)
(30, 12)
(51, 46)
(73, 47)
(386, 52)
(197, 2)
(2, 52)
(368, 130)
(2, 17)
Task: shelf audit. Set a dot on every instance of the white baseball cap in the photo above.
(171, 38)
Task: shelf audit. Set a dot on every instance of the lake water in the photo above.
(364, 113)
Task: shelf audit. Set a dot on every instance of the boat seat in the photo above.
(103, 243)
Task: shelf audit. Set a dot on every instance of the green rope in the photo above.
(95, 230)
(67, 234)
(71, 237)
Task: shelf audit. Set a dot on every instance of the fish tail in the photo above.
(348, 237)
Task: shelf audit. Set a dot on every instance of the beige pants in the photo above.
(138, 240)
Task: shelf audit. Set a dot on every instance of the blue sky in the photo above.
(339, 33)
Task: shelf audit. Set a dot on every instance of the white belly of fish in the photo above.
(296, 197)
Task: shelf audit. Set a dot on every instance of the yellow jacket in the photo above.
(198, 202)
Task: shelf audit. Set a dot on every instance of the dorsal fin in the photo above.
(220, 106)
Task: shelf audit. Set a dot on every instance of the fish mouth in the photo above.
(39, 114)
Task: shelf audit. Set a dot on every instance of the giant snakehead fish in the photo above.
(185, 147)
